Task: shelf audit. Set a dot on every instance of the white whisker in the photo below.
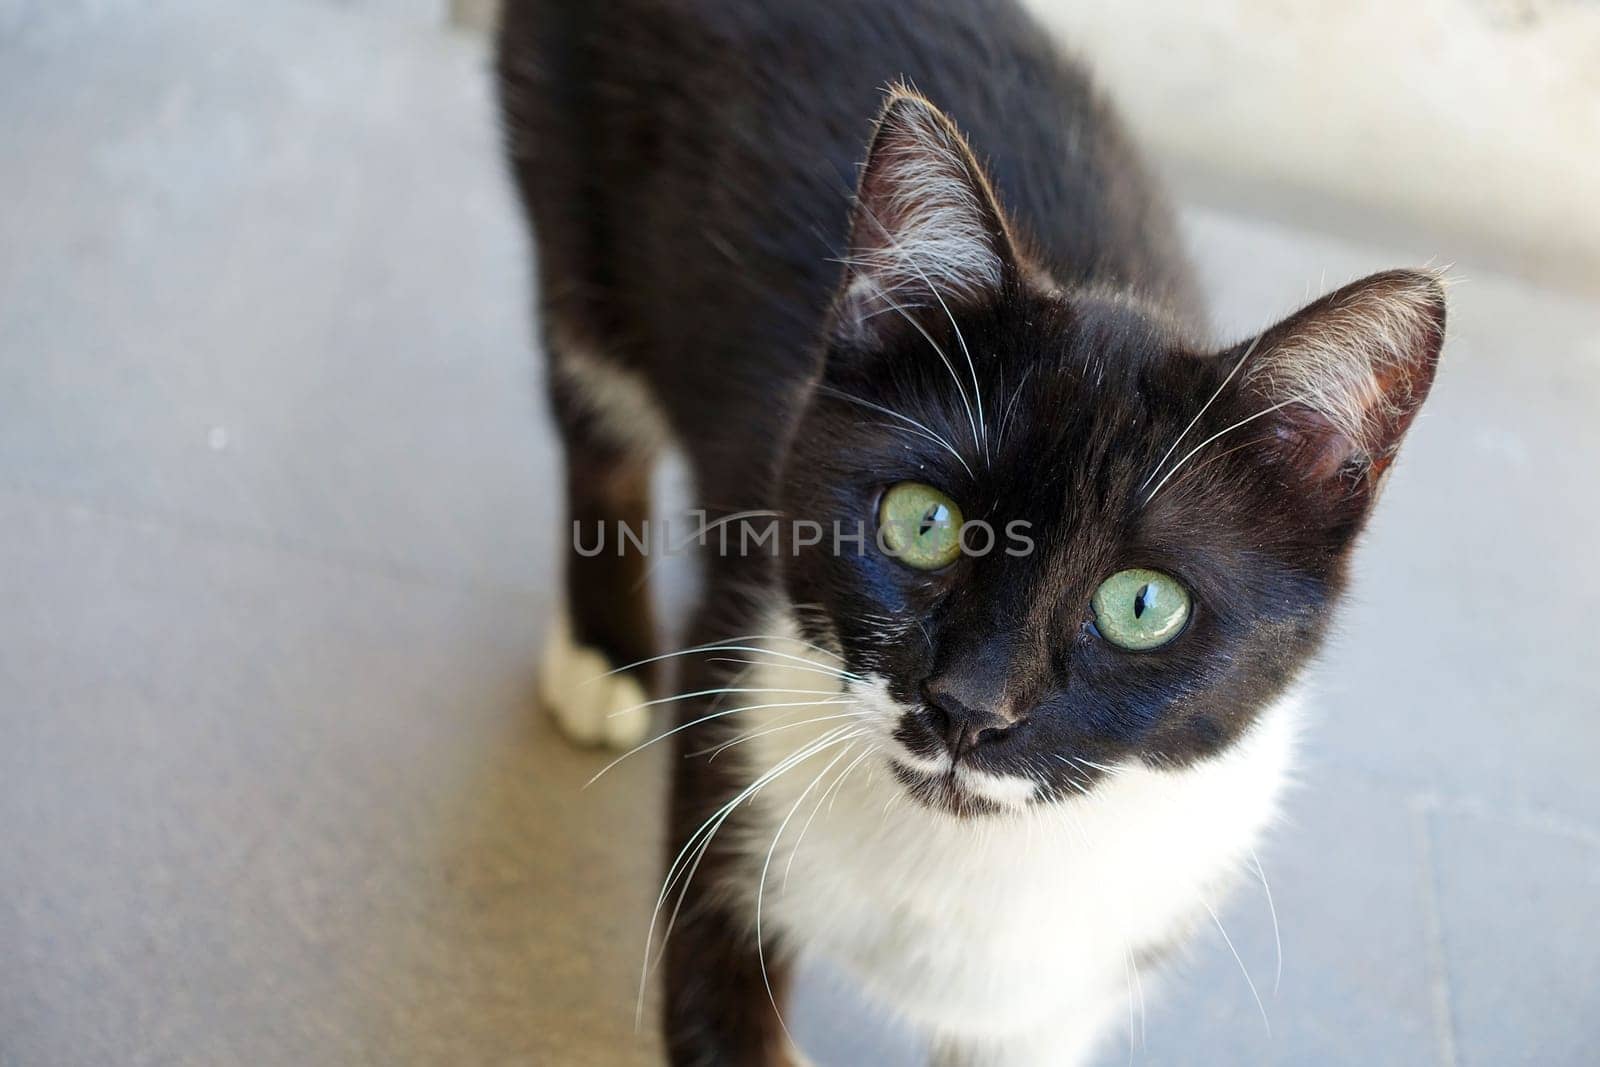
(704, 719)
(1197, 415)
(717, 750)
(719, 646)
(977, 392)
(713, 824)
(1218, 457)
(931, 436)
(1191, 453)
(1104, 768)
(825, 671)
(883, 295)
(722, 690)
(1127, 978)
(1240, 961)
(1138, 986)
(974, 420)
(761, 884)
(1272, 909)
(1005, 419)
(831, 791)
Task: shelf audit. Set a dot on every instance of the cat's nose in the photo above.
(963, 722)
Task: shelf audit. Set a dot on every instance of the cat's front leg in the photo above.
(718, 1011)
(587, 683)
(720, 990)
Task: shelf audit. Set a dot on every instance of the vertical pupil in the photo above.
(1143, 599)
(931, 517)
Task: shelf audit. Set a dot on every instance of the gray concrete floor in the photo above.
(277, 530)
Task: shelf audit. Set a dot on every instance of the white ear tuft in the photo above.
(1359, 362)
(926, 223)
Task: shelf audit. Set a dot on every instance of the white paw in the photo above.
(590, 704)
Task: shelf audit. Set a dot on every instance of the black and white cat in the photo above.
(992, 785)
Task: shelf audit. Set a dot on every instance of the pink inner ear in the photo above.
(1327, 455)
(1397, 380)
(926, 225)
(1352, 369)
(1320, 450)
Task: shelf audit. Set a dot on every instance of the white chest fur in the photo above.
(988, 928)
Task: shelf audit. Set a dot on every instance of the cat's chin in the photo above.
(963, 793)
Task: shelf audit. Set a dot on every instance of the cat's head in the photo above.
(1171, 526)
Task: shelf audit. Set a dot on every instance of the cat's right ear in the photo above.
(926, 228)
(1341, 381)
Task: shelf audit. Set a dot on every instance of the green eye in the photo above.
(1140, 609)
(920, 526)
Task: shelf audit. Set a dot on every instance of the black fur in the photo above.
(688, 166)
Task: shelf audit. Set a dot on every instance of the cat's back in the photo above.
(689, 165)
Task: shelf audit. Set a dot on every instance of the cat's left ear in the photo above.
(1343, 380)
(926, 226)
